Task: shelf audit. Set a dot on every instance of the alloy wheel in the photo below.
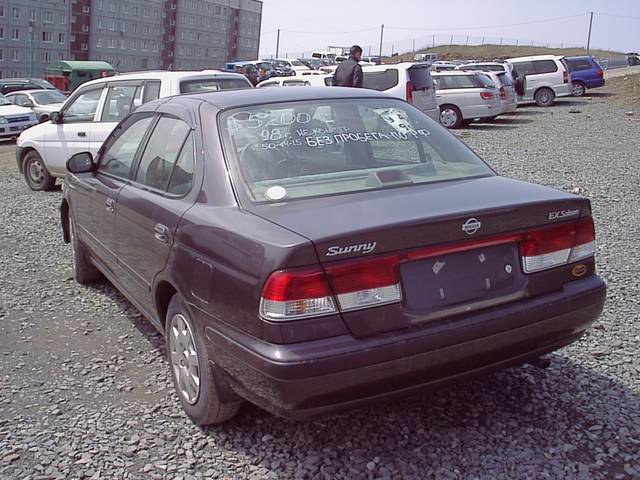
(448, 117)
(184, 359)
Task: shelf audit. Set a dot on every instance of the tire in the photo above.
(544, 97)
(450, 116)
(36, 174)
(84, 272)
(205, 395)
(578, 89)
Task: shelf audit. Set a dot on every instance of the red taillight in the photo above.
(487, 95)
(565, 76)
(551, 247)
(503, 93)
(600, 73)
(295, 285)
(363, 274)
(409, 92)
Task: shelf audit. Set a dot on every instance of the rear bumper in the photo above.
(433, 113)
(321, 376)
(563, 90)
(598, 82)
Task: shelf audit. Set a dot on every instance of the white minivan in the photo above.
(94, 109)
(409, 81)
(541, 79)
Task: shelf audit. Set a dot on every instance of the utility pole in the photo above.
(467, 42)
(589, 37)
(381, 36)
(433, 43)
(30, 29)
(517, 42)
(392, 47)
(500, 41)
(482, 40)
(278, 44)
(451, 43)
(414, 45)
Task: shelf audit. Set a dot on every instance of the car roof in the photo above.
(163, 75)
(458, 72)
(533, 57)
(28, 92)
(256, 96)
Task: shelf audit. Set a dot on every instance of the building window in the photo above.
(16, 34)
(16, 12)
(86, 9)
(145, 12)
(84, 47)
(47, 37)
(134, 27)
(48, 17)
(32, 15)
(113, 7)
(1, 33)
(63, 19)
(1, 54)
(123, 44)
(112, 43)
(135, 11)
(100, 4)
(125, 8)
(1, 10)
(99, 42)
(146, 28)
(112, 25)
(46, 56)
(100, 24)
(15, 55)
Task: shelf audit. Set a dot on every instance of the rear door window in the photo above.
(449, 82)
(151, 91)
(161, 153)
(119, 102)
(545, 66)
(524, 68)
(213, 85)
(380, 81)
(577, 65)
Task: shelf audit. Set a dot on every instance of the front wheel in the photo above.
(450, 116)
(205, 395)
(544, 97)
(36, 174)
(578, 89)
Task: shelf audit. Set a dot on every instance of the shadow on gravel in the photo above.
(525, 112)
(506, 120)
(494, 124)
(599, 94)
(566, 411)
(569, 103)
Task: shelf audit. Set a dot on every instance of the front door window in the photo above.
(83, 107)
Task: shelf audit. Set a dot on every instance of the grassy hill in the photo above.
(490, 52)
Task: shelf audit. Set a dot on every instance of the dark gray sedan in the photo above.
(314, 249)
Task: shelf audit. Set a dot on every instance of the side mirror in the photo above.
(28, 104)
(56, 117)
(81, 163)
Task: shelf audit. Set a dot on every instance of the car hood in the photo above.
(37, 133)
(408, 217)
(13, 110)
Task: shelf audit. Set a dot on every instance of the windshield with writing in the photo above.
(327, 147)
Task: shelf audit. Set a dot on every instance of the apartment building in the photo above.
(129, 34)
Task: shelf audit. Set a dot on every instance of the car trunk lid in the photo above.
(455, 243)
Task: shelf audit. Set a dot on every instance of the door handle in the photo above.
(110, 205)
(82, 134)
(161, 232)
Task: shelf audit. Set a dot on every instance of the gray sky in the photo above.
(314, 24)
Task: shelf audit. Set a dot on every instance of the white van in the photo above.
(93, 111)
(409, 81)
(542, 78)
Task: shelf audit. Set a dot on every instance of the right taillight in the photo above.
(409, 92)
(503, 93)
(487, 95)
(555, 246)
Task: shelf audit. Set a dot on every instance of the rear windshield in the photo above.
(287, 151)
(505, 79)
(49, 97)
(420, 78)
(449, 82)
(213, 85)
(380, 81)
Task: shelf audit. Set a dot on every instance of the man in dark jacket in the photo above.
(349, 72)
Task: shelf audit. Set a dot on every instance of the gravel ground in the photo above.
(85, 389)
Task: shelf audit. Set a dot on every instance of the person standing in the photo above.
(349, 72)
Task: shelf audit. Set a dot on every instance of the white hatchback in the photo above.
(542, 78)
(409, 81)
(94, 109)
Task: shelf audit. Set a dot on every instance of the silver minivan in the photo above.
(542, 78)
(409, 81)
(465, 96)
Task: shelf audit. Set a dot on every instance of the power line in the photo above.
(330, 33)
(617, 16)
(489, 26)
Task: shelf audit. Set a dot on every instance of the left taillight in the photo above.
(409, 92)
(503, 93)
(487, 95)
(295, 294)
(342, 286)
(559, 245)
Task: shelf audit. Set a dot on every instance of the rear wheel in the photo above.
(36, 174)
(544, 97)
(205, 395)
(450, 116)
(578, 89)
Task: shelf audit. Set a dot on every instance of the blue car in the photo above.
(585, 73)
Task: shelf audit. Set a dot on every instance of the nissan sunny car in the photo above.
(311, 249)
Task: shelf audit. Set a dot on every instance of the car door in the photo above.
(71, 134)
(97, 193)
(151, 206)
(525, 73)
